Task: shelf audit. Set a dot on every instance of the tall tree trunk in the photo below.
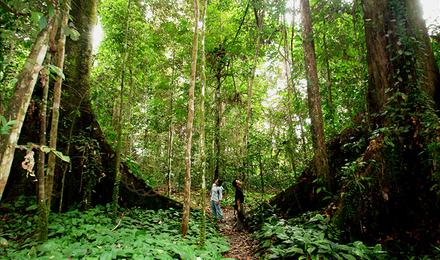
(128, 138)
(170, 140)
(328, 81)
(170, 129)
(217, 129)
(41, 194)
(19, 102)
(189, 127)
(376, 15)
(121, 110)
(43, 209)
(202, 121)
(260, 163)
(296, 95)
(80, 129)
(59, 62)
(402, 197)
(313, 96)
(259, 23)
(427, 63)
(170, 157)
(291, 138)
(378, 70)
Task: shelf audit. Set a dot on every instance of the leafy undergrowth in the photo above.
(309, 237)
(93, 234)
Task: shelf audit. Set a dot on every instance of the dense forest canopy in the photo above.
(330, 107)
(163, 51)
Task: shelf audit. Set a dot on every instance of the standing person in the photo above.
(238, 205)
(216, 198)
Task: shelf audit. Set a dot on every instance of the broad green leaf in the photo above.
(348, 257)
(3, 242)
(72, 33)
(57, 71)
(32, 207)
(295, 250)
(4, 122)
(310, 249)
(12, 122)
(45, 148)
(283, 236)
(42, 23)
(63, 157)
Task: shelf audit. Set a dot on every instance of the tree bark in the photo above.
(170, 141)
(321, 167)
(328, 81)
(260, 163)
(259, 23)
(41, 194)
(218, 117)
(377, 18)
(425, 55)
(120, 121)
(294, 91)
(291, 138)
(375, 13)
(59, 62)
(202, 121)
(189, 127)
(80, 129)
(19, 103)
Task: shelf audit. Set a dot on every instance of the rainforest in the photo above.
(219, 129)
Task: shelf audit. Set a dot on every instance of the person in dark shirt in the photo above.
(238, 205)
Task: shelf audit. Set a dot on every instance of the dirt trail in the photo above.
(241, 244)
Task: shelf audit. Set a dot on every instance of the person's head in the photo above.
(236, 183)
(219, 182)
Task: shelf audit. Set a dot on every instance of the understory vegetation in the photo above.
(137, 233)
(100, 234)
(309, 237)
(117, 116)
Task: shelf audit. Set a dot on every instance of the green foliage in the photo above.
(90, 163)
(16, 37)
(57, 71)
(307, 237)
(93, 234)
(137, 171)
(340, 47)
(58, 154)
(72, 33)
(5, 126)
(18, 224)
(351, 176)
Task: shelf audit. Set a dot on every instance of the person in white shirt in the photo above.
(216, 198)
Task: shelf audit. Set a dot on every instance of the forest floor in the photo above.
(242, 246)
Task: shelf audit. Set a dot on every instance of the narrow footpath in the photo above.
(241, 244)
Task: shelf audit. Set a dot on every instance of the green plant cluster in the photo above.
(137, 171)
(309, 237)
(17, 224)
(97, 234)
(5, 126)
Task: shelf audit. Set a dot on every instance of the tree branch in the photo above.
(241, 23)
